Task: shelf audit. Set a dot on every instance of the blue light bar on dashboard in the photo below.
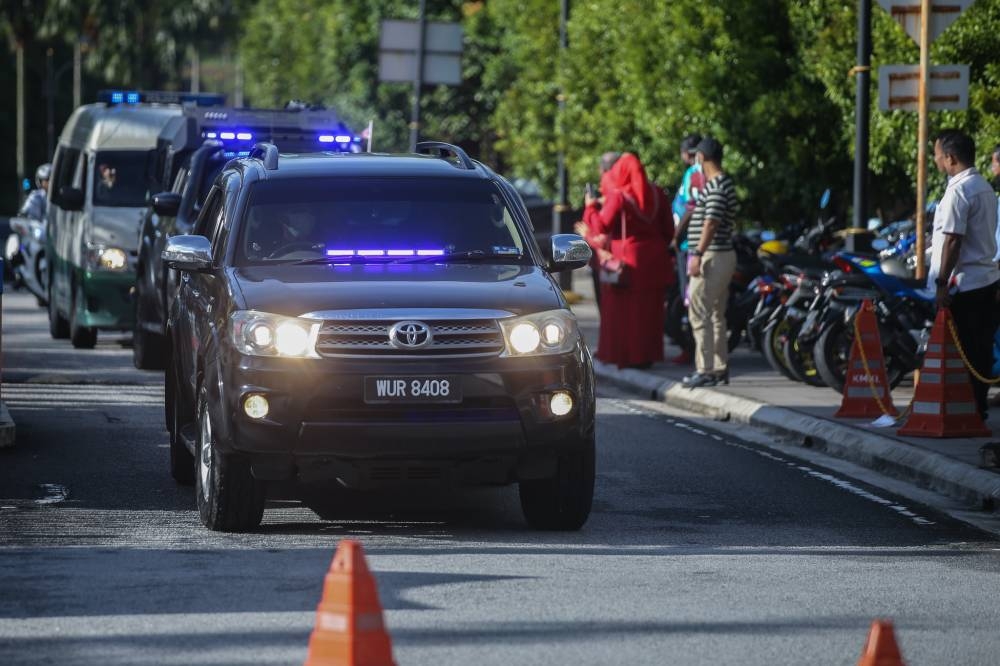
(383, 253)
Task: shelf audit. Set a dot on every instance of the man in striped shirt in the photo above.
(711, 262)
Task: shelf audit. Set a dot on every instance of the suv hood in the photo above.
(296, 290)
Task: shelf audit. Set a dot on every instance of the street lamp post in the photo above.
(51, 86)
(561, 209)
(862, 110)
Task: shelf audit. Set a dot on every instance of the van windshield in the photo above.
(375, 220)
(120, 178)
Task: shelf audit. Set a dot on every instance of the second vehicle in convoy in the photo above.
(191, 151)
(360, 320)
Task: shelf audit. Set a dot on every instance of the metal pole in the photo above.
(418, 78)
(561, 209)
(77, 83)
(238, 87)
(50, 105)
(862, 111)
(20, 119)
(195, 71)
(925, 47)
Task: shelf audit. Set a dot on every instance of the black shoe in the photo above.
(700, 379)
(722, 377)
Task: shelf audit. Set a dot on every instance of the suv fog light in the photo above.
(256, 406)
(561, 403)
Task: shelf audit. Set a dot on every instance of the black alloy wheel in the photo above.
(229, 498)
(81, 337)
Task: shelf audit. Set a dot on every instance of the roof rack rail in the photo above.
(266, 153)
(428, 148)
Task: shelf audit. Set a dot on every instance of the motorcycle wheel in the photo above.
(800, 362)
(832, 353)
(771, 345)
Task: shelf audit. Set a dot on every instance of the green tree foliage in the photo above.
(326, 51)
(141, 43)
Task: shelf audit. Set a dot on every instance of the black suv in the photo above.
(366, 320)
(191, 151)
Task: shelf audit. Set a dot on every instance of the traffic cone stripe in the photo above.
(872, 365)
(341, 622)
(950, 364)
(864, 392)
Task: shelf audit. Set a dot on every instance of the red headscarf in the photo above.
(629, 176)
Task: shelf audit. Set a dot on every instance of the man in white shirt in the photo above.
(962, 270)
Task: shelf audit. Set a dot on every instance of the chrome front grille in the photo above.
(475, 337)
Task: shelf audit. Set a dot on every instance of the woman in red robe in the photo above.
(631, 333)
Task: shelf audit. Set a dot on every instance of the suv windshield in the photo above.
(377, 219)
(120, 178)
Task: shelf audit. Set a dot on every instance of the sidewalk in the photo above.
(803, 415)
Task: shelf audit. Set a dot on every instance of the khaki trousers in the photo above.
(708, 295)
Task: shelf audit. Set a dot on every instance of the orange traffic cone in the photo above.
(349, 628)
(866, 376)
(936, 414)
(880, 648)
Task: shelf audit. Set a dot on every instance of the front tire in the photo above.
(148, 349)
(229, 498)
(58, 326)
(81, 337)
(178, 414)
(562, 502)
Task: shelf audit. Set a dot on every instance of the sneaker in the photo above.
(700, 379)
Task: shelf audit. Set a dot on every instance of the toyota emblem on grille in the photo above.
(410, 335)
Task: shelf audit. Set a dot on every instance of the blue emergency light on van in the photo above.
(115, 97)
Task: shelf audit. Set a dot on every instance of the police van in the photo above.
(102, 176)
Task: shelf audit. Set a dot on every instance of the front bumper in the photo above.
(108, 300)
(319, 426)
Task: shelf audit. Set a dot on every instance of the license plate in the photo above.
(413, 389)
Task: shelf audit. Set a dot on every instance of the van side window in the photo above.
(80, 177)
(62, 173)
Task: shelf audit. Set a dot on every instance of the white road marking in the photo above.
(814, 473)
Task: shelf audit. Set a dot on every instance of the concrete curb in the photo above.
(888, 456)
(7, 428)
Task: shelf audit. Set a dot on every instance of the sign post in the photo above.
(420, 51)
(923, 20)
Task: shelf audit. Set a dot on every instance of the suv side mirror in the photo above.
(188, 253)
(166, 204)
(569, 251)
(70, 198)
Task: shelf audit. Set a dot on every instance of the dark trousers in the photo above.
(975, 315)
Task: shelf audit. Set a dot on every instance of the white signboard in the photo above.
(948, 87)
(397, 58)
(907, 14)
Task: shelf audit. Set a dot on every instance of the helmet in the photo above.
(772, 247)
(42, 173)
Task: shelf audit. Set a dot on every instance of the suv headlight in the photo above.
(550, 332)
(264, 334)
(100, 257)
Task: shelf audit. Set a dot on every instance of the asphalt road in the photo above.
(702, 549)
